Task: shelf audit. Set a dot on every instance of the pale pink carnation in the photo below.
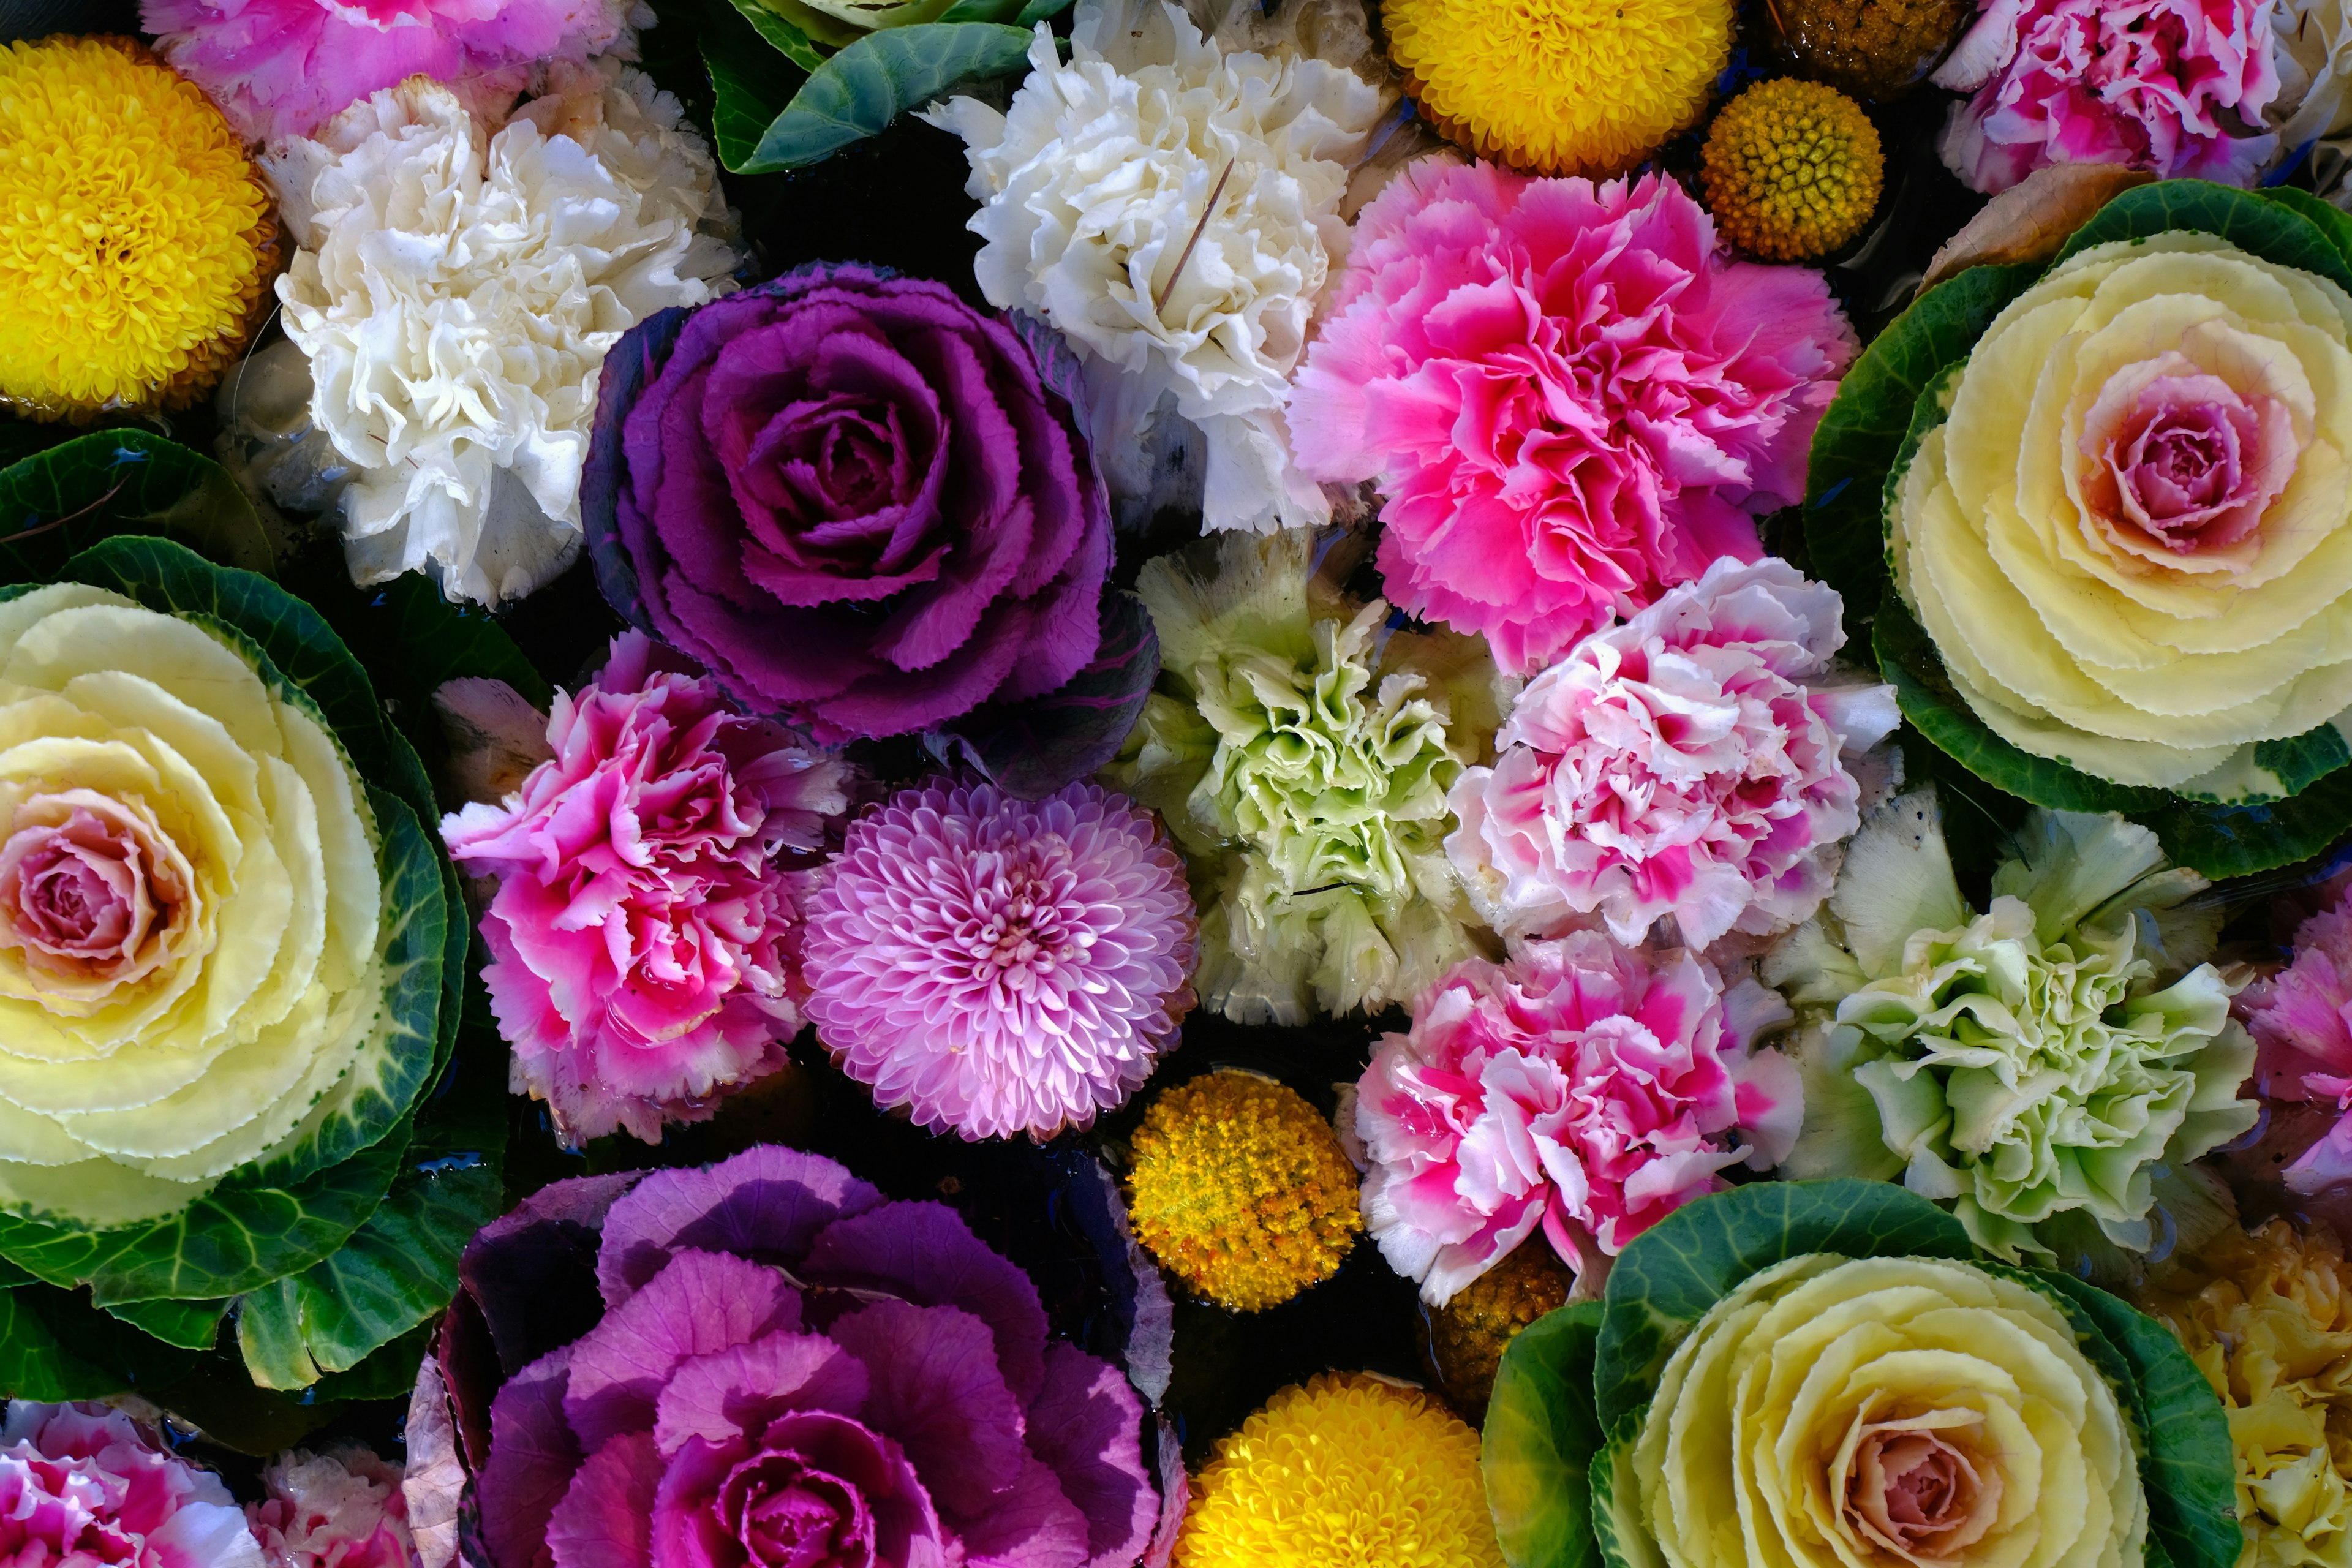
(333, 1511)
(1693, 762)
(85, 1486)
(1581, 1086)
(2178, 86)
(1570, 399)
(997, 965)
(643, 936)
(2301, 1019)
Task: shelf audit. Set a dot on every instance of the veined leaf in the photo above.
(745, 106)
(110, 482)
(2274, 230)
(860, 90)
(441, 641)
(792, 40)
(1540, 1437)
(53, 1347)
(190, 1325)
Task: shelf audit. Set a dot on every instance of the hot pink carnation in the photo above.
(1001, 966)
(1570, 399)
(1692, 762)
(642, 938)
(284, 68)
(1582, 1087)
(333, 1511)
(2301, 1019)
(85, 1486)
(2175, 86)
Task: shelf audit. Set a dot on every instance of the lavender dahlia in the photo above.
(997, 965)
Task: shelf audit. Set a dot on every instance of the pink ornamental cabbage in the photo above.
(284, 68)
(2178, 86)
(1581, 1086)
(85, 1486)
(2301, 1019)
(1570, 399)
(644, 935)
(1693, 762)
(1001, 966)
(343, 1510)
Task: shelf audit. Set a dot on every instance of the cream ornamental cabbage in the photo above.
(190, 909)
(457, 288)
(1171, 202)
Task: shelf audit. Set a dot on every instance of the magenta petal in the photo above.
(534, 1272)
(533, 1457)
(933, 1386)
(703, 1302)
(1032, 1525)
(768, 1202)
(605, 1520)
(736, 1391)
(1087, 1425)
(925, 1253)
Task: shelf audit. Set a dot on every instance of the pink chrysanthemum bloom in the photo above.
(2178, 86)
(2301, 1019)
(343, 1510)
(1693, 762)
(1581, 1086)
(85, 1486)
(284, 68)
(1000, 966)
(642, 938)
(1570, 399)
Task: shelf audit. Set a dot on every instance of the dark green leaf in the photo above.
(1038, 11)
(2273, 230)
(2328, 219)
(440, 641)
(387, 1373)
(1033, 747)
(112, 482)
(747, 105)
(192, 1325)
(792, 40)
(53, 1346)
(217, 1396)
(1621, 1537)
(1671, 1274)
(1540, 1436)
(859, 91)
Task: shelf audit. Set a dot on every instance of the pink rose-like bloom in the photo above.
(643, 936)
(1692, 762)
(2301, 1019)
(1581, 1087)
(1571, 400)
(2178, 86)
(998, 965)
(2178, 466)
(95, 893)
(284, 68)
(85, 1486)
(333, 1511)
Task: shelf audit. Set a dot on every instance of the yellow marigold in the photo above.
(1241, 1189)
(2268, 1319)
(1792, 169)
(1561, 87)
(1468, 1335)
(1342, 1470)
(135, 238)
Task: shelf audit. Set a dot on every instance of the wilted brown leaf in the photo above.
(2032, 220)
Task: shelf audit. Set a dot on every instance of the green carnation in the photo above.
(1301, 753)
(2036, 1066)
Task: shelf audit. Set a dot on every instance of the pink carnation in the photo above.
(642, 938)
(1582, 1087)
(85, 1486)
(2178, 86)
(284, 68)
(2301, 1019)
(1001, 966)
(1692, 762)
(333, 1511)
(1570, 400)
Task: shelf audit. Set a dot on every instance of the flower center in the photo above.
(1022, 927)
(1912, 1488)
(90, 890)
(2180, 467)
(788, 1515)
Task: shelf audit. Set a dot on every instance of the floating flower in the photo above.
(1342, 1470)
(1792, 169)
(1582, 1087)
(644, 936)
(136, 240)
(790, 1370)
(1872, 48)
(1695, 761)
(285, 67)
(1172, 206)
(2301, 1019)
(1468, 1335)
(853, 497)
(2268, 1319)
(2178, 87)
(1301, 753)
(1001, 966)
(80, 1484)
(457, 286)
(1563, 87)
(2035, 1067)
(1571, 401)
(1241, 1189)
(343, 1510)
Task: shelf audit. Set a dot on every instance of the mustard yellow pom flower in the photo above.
(1468, 1335)
(1792, 169)
(1342, 1470)
(135, 238)
(1561, 87)
(1241, 1189)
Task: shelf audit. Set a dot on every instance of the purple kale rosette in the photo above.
(853, 498)
(787, 1368)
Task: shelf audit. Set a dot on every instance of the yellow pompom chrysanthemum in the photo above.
(1561, 87)
(1241, 1189)
(1342, 1470)
(1792, 169)
(135, 238)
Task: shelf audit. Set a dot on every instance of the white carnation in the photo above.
(457, 290)
(1169, 203)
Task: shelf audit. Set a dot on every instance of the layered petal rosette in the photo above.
(853, 498)
(343, 1510)
(82, 1486)
(790, 1370)
(2301, 1018)
(1695, 761)
(1581, 1086)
